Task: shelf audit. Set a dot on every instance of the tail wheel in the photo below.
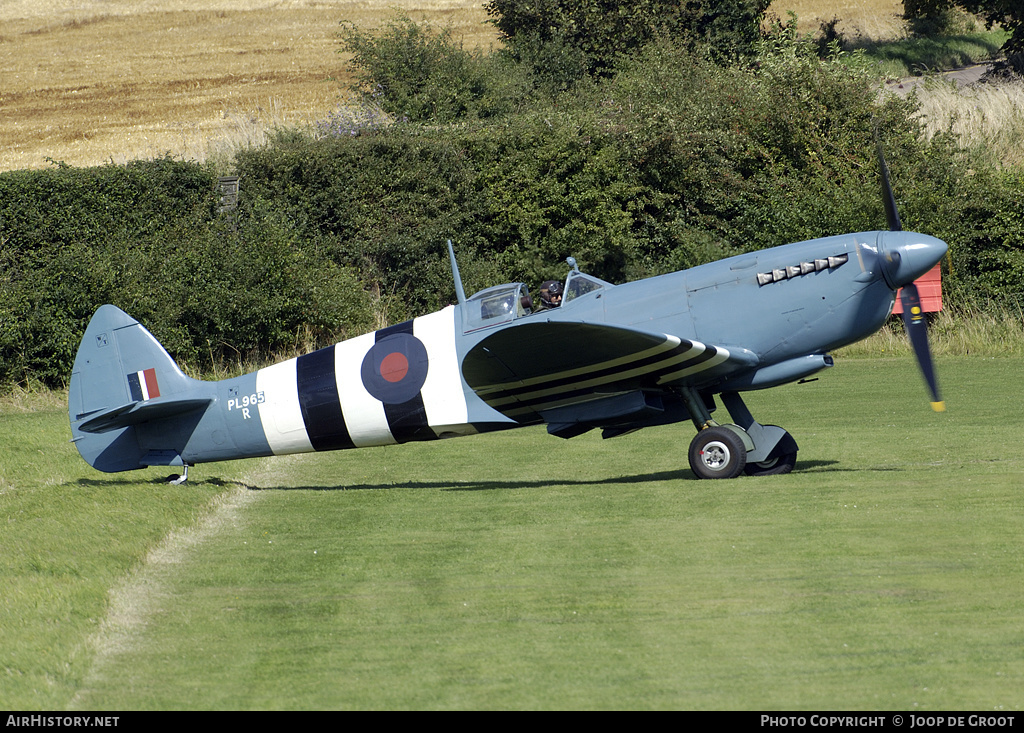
(717, 452)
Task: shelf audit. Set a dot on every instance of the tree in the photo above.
(403, 65)
(1007, 13)
(414, 71)
(599, 32)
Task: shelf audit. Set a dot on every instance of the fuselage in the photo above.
(345, 397)
(746, 322)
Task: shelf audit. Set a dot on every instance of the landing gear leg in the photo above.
(717, 451)
(774, 451)
(179, 480)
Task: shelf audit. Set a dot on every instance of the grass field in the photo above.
(520, 571)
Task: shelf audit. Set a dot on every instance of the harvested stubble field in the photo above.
(117, 80)
(100, 81)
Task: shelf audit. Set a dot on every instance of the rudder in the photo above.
(121, 377)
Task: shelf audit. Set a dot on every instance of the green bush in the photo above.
(147, 238)
(383, 203)
(598, 34)
(633, 175)
(416, 72)
(63, 205)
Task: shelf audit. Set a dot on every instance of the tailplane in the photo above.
(123, 380)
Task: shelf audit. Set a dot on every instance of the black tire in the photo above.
(773, 466)
(717, 453)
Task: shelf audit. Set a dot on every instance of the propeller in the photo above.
(913, 317)
(917, 330)
(892, 215)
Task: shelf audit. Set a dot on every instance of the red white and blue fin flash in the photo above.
(143, 385)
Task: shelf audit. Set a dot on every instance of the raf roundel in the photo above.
(395, 368)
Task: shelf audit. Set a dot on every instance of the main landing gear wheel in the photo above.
(773, 466)
(717, 452)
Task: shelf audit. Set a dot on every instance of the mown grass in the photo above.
(900, 58)
(68, 535)
(520, 571)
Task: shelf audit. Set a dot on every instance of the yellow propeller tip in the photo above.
(939, 406)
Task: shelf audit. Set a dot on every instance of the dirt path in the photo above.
(142, 593)
(967, 75)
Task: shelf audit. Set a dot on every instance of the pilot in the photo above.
(550, 294)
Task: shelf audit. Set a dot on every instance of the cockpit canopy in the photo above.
(497, 305)
(577, 284)
(504, 303)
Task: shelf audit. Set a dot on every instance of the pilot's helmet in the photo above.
(550, 290)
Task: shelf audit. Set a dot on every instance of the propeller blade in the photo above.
(917, 330)
(891, 214)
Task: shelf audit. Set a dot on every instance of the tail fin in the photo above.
(122, 379)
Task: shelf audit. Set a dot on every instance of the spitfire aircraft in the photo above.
(614, 357)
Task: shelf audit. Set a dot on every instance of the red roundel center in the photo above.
(394, 367)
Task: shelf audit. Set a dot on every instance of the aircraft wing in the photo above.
(535, 370)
